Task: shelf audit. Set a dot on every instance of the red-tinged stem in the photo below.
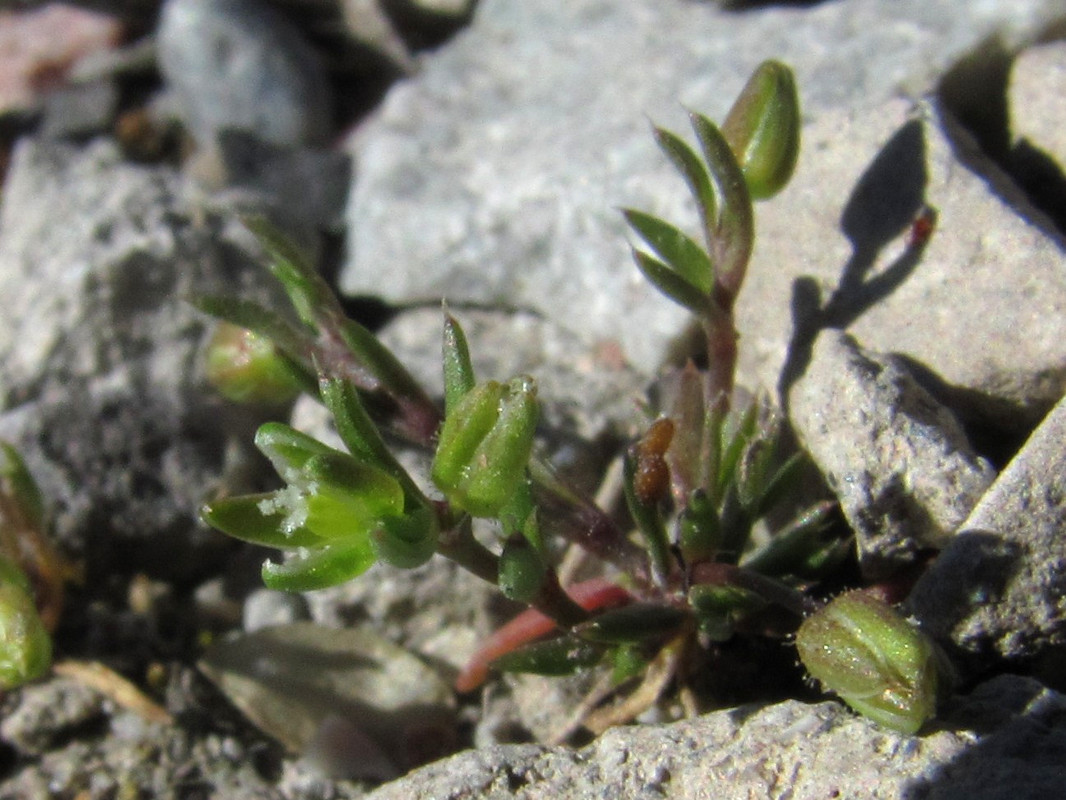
(721, 361)
(591, 595)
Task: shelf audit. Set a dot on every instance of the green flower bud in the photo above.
(875, 660)
(485, 445)
(25, 646)
(763, 129)
(247, 368)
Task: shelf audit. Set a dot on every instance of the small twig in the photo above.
(113, 686)
(657, 677)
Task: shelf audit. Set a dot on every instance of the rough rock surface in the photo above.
(897, 460)
(99, 356)
(1037, 107)
(238, 64)
(977, 308)
(786, 750)
(999, 587)
(511, 194)
(511, 151)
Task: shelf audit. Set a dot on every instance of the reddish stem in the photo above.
(591, 595)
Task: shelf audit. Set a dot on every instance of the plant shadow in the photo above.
(887, 199)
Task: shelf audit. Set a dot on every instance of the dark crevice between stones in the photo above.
(999, 444)
(975, 92)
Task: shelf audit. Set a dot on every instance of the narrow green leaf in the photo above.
(380, 369)
(310, 295)
(674, 247)
(673, 285)
(458, 369)
(358, 431)
(564, 655)
(802, 549)
(330, 565)
(735, 440)
(287, 448)
(734, 233)
(695, 174)
(635, 623)
(254, 317)
(777, 485)
(259, 519)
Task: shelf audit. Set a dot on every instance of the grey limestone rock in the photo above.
(999, 587)
(102, 388)
(898, 461)
(1038, 102)
(786, 750)
(495, 175)
(239, 64)
(976, 308)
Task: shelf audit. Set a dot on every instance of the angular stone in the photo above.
(999, 587)
(240, 64)
(102, 389)
(898, 461)
(1038, 100)
(976, 306)
(804, 752)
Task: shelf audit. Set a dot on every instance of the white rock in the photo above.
(495, 175)
(898, 461)
(1038, 99)
(1000, 585)
(803, 752)
(239, 64)
(100, 358)
(978, 310)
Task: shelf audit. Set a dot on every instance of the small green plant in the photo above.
(699, 481)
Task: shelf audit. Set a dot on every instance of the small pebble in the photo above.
(266, 608)
(237, 64)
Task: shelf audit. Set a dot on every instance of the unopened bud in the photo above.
(485, 445)
(247, 368)
(876, 661)
(763, 129)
